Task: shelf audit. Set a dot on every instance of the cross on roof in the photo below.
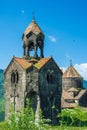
(33, 16)
(70, 62)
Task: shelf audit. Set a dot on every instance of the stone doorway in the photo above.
(32, 96)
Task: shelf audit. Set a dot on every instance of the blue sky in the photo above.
(64, 23)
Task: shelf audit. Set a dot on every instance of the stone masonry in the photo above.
(34, 77)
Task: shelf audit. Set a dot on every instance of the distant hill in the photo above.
(1, 84)
(85, 84)
(2, 101)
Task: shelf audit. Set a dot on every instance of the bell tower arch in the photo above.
(33, 38)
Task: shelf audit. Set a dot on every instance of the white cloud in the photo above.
(22, 12)
(82, 69)
(63, 69)
(52, 38)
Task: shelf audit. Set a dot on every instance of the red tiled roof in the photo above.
(41, 62)
(71, 72)
(23, 62)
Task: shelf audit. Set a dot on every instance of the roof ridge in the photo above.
(72, 89)
(41, 62)
(80, 93)
(71, 72)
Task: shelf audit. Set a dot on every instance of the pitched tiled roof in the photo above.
(81, 93)
(71, 72)
(33, 27)
(66, 95)
(41, 62)
(72, 89)
(23, 62)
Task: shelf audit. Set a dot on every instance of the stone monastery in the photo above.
(73, 93)
(40, 80)
(34, 77)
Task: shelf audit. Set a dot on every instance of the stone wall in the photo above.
(32, 90)
(50, 93)
(9, 88)
(43, 91)
(32, 80)
(72, 82)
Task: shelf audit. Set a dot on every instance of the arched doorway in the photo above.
(32, 96)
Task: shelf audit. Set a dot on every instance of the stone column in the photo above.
(35, 51)
(24, 46)
(24, 51)
(41, 52)
(37, 109)
(27, 52)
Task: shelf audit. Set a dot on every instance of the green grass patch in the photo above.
(2, 109)
(3, 127)
(67, 128)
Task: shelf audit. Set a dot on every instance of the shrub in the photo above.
(25, 119)
(74, 117)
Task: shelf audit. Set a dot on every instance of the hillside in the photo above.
(1, 84)
(2, 101)
(85, 84)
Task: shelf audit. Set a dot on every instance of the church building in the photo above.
(73, 92)
(71, 78)
(34, 77)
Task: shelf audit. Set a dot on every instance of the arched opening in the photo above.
(16, 77)
(12, 77)
(38, 51)
(31, 48)
(32, 96)
(50, 78)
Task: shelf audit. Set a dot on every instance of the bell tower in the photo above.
(33, 38)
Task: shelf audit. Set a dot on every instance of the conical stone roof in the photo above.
(71, 72)
(33, 27)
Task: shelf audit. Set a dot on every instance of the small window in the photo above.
(29, 35)
(50, 78)
(14, 77)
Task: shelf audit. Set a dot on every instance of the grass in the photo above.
(67, 128)
(3, 127)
